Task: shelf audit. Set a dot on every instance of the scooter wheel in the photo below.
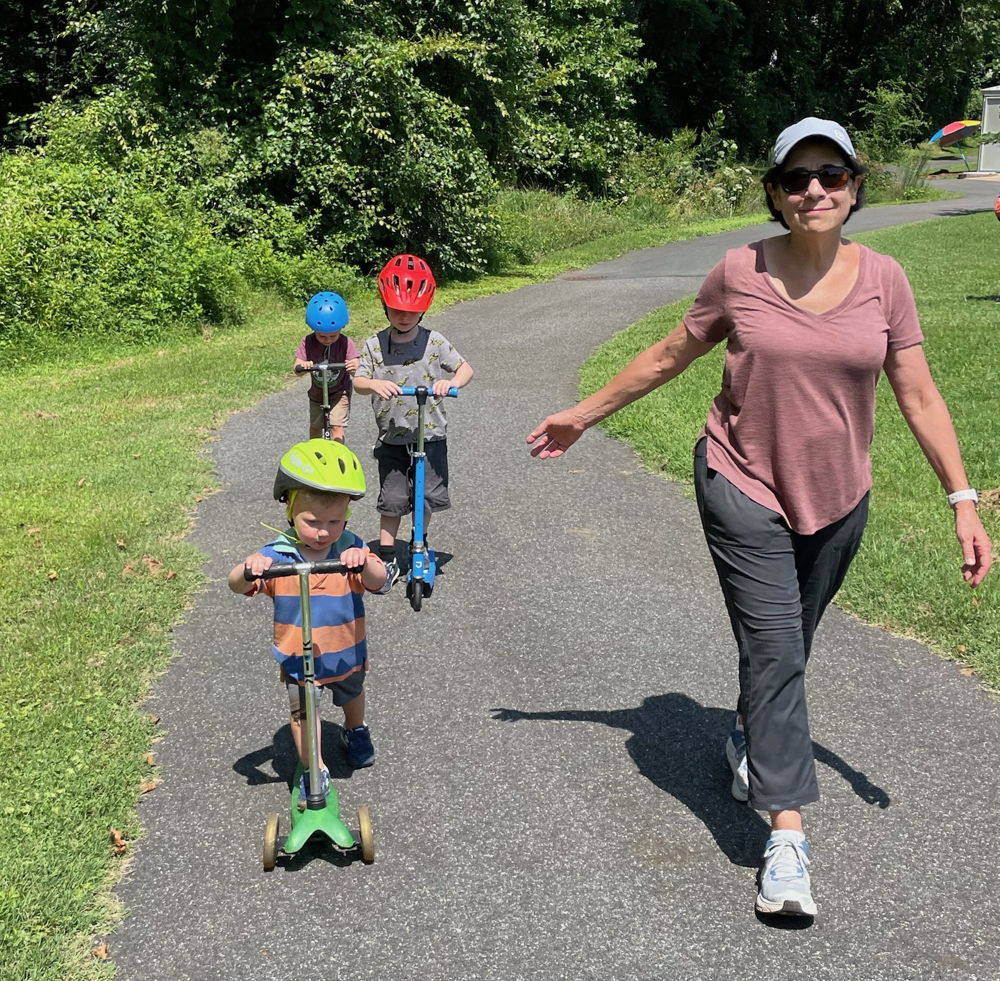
(270, 854)
(366, 836)
(415, 589)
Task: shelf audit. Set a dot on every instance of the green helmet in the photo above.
(319, 464)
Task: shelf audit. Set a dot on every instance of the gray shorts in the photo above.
(342, 692)
(395, 477)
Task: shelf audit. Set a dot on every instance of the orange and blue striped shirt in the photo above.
(340, 646)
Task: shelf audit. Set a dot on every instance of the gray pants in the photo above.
(776, 584)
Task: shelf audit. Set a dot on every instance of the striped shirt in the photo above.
(340, 646)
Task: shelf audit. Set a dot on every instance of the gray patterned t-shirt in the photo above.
(427, 358)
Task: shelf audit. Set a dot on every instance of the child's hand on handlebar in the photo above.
(355, 558)
(442, 387)
(385, 389)
(257, 563)
(302, 365)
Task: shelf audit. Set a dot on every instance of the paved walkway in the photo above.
(550, 798)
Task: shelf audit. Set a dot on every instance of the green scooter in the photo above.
(321, 814)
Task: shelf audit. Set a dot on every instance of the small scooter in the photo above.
(326, 374)
(423, 566)
(321, 814)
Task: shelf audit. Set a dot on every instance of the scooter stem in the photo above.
(315, 799)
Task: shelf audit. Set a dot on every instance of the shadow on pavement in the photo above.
(283, 759)
(677, 744)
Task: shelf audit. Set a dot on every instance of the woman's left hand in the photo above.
(977, 550)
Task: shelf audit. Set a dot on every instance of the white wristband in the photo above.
(969, 494)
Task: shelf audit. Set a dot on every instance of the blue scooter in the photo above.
(423, 566)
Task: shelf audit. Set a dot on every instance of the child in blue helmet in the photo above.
(326, 315)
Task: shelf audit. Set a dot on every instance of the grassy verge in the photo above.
(906, 576)
(105, 461)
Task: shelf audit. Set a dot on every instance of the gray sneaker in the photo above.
(736, 753)
(784, 876)
(304, 787)
(391, 575)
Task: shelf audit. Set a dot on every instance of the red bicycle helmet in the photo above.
(406, 283)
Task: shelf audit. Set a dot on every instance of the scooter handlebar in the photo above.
(281, 569)
(412, 390)
(322, 366)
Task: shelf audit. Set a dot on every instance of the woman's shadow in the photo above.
(677, 744)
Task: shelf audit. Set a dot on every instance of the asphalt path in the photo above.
(550, 798)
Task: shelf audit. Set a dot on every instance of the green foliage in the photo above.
(891, 124)
(90, 252)
(688, 176)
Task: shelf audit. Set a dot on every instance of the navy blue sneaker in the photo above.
(358, 745)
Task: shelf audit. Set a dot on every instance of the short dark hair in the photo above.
(858, 169)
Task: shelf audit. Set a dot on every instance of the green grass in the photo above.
(906, 577)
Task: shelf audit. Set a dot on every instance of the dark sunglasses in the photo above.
(832, 177)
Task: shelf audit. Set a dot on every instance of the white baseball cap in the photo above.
(809, 127)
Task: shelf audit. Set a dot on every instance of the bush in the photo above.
(687, 176)
(892, 123)
(89, 252)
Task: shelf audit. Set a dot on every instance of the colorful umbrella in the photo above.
(953, 132)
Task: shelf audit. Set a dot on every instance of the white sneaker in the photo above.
(784, 876)
(736, 753)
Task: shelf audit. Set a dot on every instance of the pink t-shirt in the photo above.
(793, 423)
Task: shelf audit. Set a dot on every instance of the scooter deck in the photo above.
(325, 820)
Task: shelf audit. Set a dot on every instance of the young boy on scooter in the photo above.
(405, 353)
(317, 480)
(327, 316)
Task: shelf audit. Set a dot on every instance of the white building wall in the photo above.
(989, 153)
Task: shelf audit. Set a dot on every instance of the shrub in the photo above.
(91, 252)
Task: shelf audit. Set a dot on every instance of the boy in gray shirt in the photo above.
(404, 354)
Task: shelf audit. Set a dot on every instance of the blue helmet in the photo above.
(326, 313)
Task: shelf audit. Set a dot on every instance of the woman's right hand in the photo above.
(977, 549)
(556, 434)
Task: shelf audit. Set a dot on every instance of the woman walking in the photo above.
(782, 471)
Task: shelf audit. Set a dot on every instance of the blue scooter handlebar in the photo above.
(281, 569)
(412, 390)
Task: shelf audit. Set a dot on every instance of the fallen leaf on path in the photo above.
(119, 842)
(150, 759)
(101, 952)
